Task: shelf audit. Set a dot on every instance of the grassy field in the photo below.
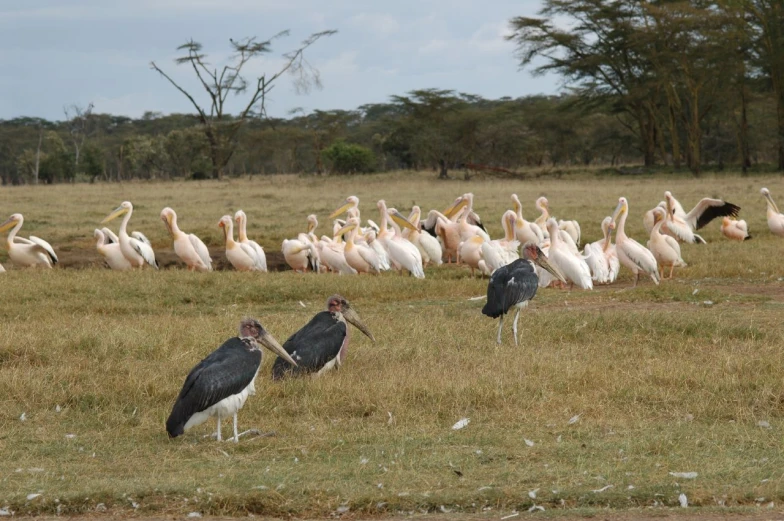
(610, 392)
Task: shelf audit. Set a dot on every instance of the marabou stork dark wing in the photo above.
(708, 209)
(226, 371)
(318, 342)
(509, 285)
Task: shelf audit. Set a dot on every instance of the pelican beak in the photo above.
(770, 200)
(270, 343)
(345, 229)
(167, 221)
(351, 316)
(402, 221)
(541, 260)
(10, 223)
(458, 205)
(115, 213)
(618, 209)
(340, 210)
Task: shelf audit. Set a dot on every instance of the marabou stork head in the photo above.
(251, 328)
(533, 253)
(338, 304)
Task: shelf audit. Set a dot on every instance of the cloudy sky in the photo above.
(55, 53)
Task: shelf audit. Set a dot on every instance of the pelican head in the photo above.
(508, 220)
(251, 328)
(352, 201)
(239, 215)
(351, 224)
(533, 253)
(312, 222)
(460, 203)
(124, 208)
(622, 208)
(766, 194)
(168, 216)
(400, 220)
(542, 203)
(336, 303)
(11, 222)
(516, 203)
(659, 214)
(606, 224)
(226, 223)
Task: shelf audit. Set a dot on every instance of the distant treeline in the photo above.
(684, 84)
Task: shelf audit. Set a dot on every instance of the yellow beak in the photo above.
(402, 221)
(115, 213)
(340, 210)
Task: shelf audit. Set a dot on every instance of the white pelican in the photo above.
(359, 256)
(571, 265)
(351, 203)
(647, 218)
(470, 252)
(461, 212)
(429, 247)
(601, 256)
(332, 253)
(676, 225)
(775, 219)
(500, 252)
(241, 256)
(665, 249)
(109, 248)
(735, 230)
(704, 212)
(189, 248)
(525, 231)
(375, 244)
(137, 251)
(446, 230)
(471, 216)
(27, 252)
(631, 253)
(301, 254)
(572, 228)
(312, 225)
(543, 205)
(242, 235)
(401, 252)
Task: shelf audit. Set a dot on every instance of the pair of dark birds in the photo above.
(219, 385)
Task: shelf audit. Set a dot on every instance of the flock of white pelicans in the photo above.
(411, 243)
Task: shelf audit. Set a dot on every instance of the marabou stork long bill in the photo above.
(322, 343)
(515, 284)
(219, 385)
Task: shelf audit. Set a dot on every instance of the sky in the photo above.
(59, 53)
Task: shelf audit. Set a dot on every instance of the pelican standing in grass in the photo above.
(775, 219)
(703, 212)
(109, 248)
(675, 223)
(525, 231)
(301, 254)
(26, 252)
(601, 256)
(574, 269)
(359, 256)
(189, 248)
(735, 230)
(322, 344)
(241, 256)
(515, 284)
(631, 253)
(500, 252)
(402, 253)
(665, 249)
(242, 235)
(219, 385)
(137, 250)
(429, 247)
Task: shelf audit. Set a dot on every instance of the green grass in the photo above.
(662, 382)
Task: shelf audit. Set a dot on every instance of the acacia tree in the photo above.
(221, 128)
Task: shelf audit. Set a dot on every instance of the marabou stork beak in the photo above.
(115, 213)
(459, 203)
(340, 210)
(270, 343)
(10, 223)
(402, 221)
(541, 260)
(351, 316)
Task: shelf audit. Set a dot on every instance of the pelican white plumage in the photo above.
(359, 256)
(137, 250)
(447, 231)
(676, 225)
(775, 219)
(665, 249)
(188, 247)
(525, 232)
(241, 256)
(470, 253)
(428, 246)
(543, 205)
(735, 230)
(601, 256)
(401, 252)
(500, 252)
(461, 212)
(571, 265)
(631, 253)
(26, 252)
(242, 237)
(572, 228)
(301, 254)
(109, 248)
(647, 218)
(703, 212)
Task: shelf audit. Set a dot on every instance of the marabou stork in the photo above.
(515, 284)
(220, 384)
(322, 343)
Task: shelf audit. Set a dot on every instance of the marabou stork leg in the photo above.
(514, 324)
(500, 325)
(236, 436)
(218, 432)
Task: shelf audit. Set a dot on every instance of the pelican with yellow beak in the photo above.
(402, 253)
(26, 252)
(775, 219)
(665, 248)
(359, 256)
(350, 204)
(242, 223)
(631, 253)
(189, 248)
(108, 246)
(135, 250)
(241, 256)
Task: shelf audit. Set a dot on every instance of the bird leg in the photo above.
(636, 278)
(500, 325)
(671, 269)
(236, 436)
(514, 324)
(218, 432)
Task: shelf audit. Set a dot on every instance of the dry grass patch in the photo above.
(660, 381)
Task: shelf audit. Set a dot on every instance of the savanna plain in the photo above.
(616, 398)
